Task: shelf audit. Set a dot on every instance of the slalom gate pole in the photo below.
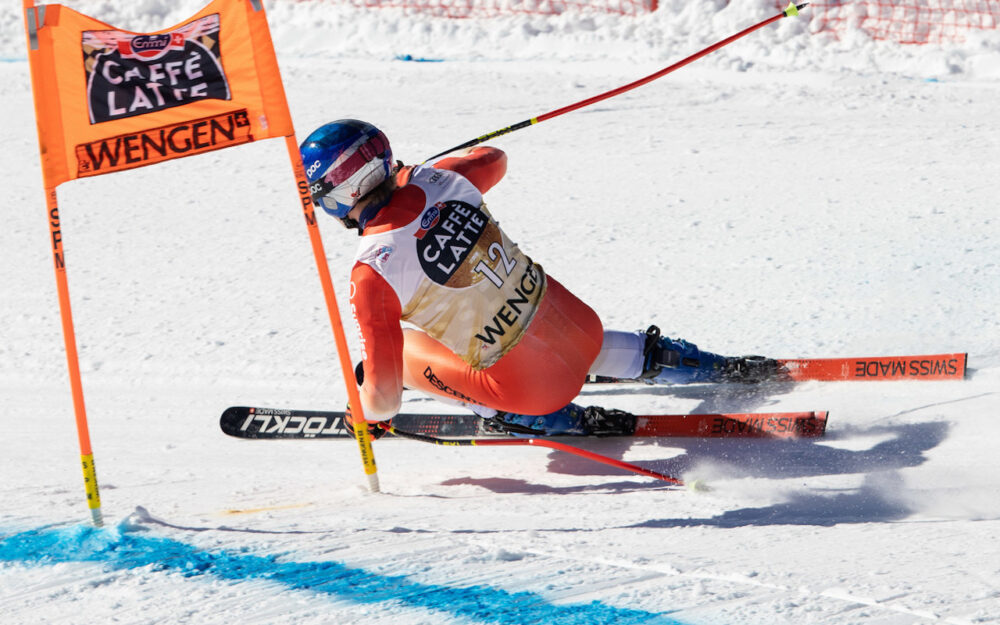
(535, 442)
(33, 21)
(354, 398)
(73, 363)
(790, 11)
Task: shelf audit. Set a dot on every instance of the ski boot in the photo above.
(675, 361)
(570, 420)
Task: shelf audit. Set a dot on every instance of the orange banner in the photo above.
(108, 99)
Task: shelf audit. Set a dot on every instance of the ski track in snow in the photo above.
(789, 195)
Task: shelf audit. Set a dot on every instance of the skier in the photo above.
(495, 332)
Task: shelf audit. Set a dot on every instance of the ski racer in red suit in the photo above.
(492, 331)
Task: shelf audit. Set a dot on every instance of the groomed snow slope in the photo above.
(791, 195)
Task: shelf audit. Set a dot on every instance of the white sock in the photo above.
(481, 411)
(621, 355)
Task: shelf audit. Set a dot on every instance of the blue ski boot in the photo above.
(570, 420)
(675, 361)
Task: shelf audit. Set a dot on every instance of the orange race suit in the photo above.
(490, 327)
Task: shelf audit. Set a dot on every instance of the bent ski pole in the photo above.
(790, 11)
(535, 442)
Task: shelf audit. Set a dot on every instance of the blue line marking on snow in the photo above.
(122, 548)
(417, 59)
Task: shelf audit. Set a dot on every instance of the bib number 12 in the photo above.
(507, 264)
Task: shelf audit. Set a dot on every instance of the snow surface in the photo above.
(792, 195)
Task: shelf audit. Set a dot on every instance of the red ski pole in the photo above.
(536, 442)
(789, 11)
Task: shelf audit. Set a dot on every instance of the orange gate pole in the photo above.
(33, 21)
(354, 398)
(73, 361)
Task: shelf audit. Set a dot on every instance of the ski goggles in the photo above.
(356, 172)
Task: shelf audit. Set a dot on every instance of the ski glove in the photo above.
(374, 431)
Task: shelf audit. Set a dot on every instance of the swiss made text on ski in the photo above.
(276, 424)
(930, 367)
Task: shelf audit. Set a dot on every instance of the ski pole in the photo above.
(791, 10)
(536, 442)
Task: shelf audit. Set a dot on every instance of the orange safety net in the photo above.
(496, 8)
(907, 21)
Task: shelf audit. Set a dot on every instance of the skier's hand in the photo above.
(374, 431)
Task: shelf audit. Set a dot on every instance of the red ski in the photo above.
(931, 367)
(748, 424)
(277, 423)
(934, 367)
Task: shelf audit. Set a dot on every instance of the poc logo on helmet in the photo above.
(312, 168)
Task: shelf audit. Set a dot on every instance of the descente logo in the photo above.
(163, 143)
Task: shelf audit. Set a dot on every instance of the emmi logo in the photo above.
(163, 143)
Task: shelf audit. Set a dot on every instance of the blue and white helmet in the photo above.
(345, 160)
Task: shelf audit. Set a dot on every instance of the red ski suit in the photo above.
(508, 336)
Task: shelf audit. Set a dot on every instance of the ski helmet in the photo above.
(344, 160)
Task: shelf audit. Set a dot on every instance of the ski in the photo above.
(930, 367)
(278, 424)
